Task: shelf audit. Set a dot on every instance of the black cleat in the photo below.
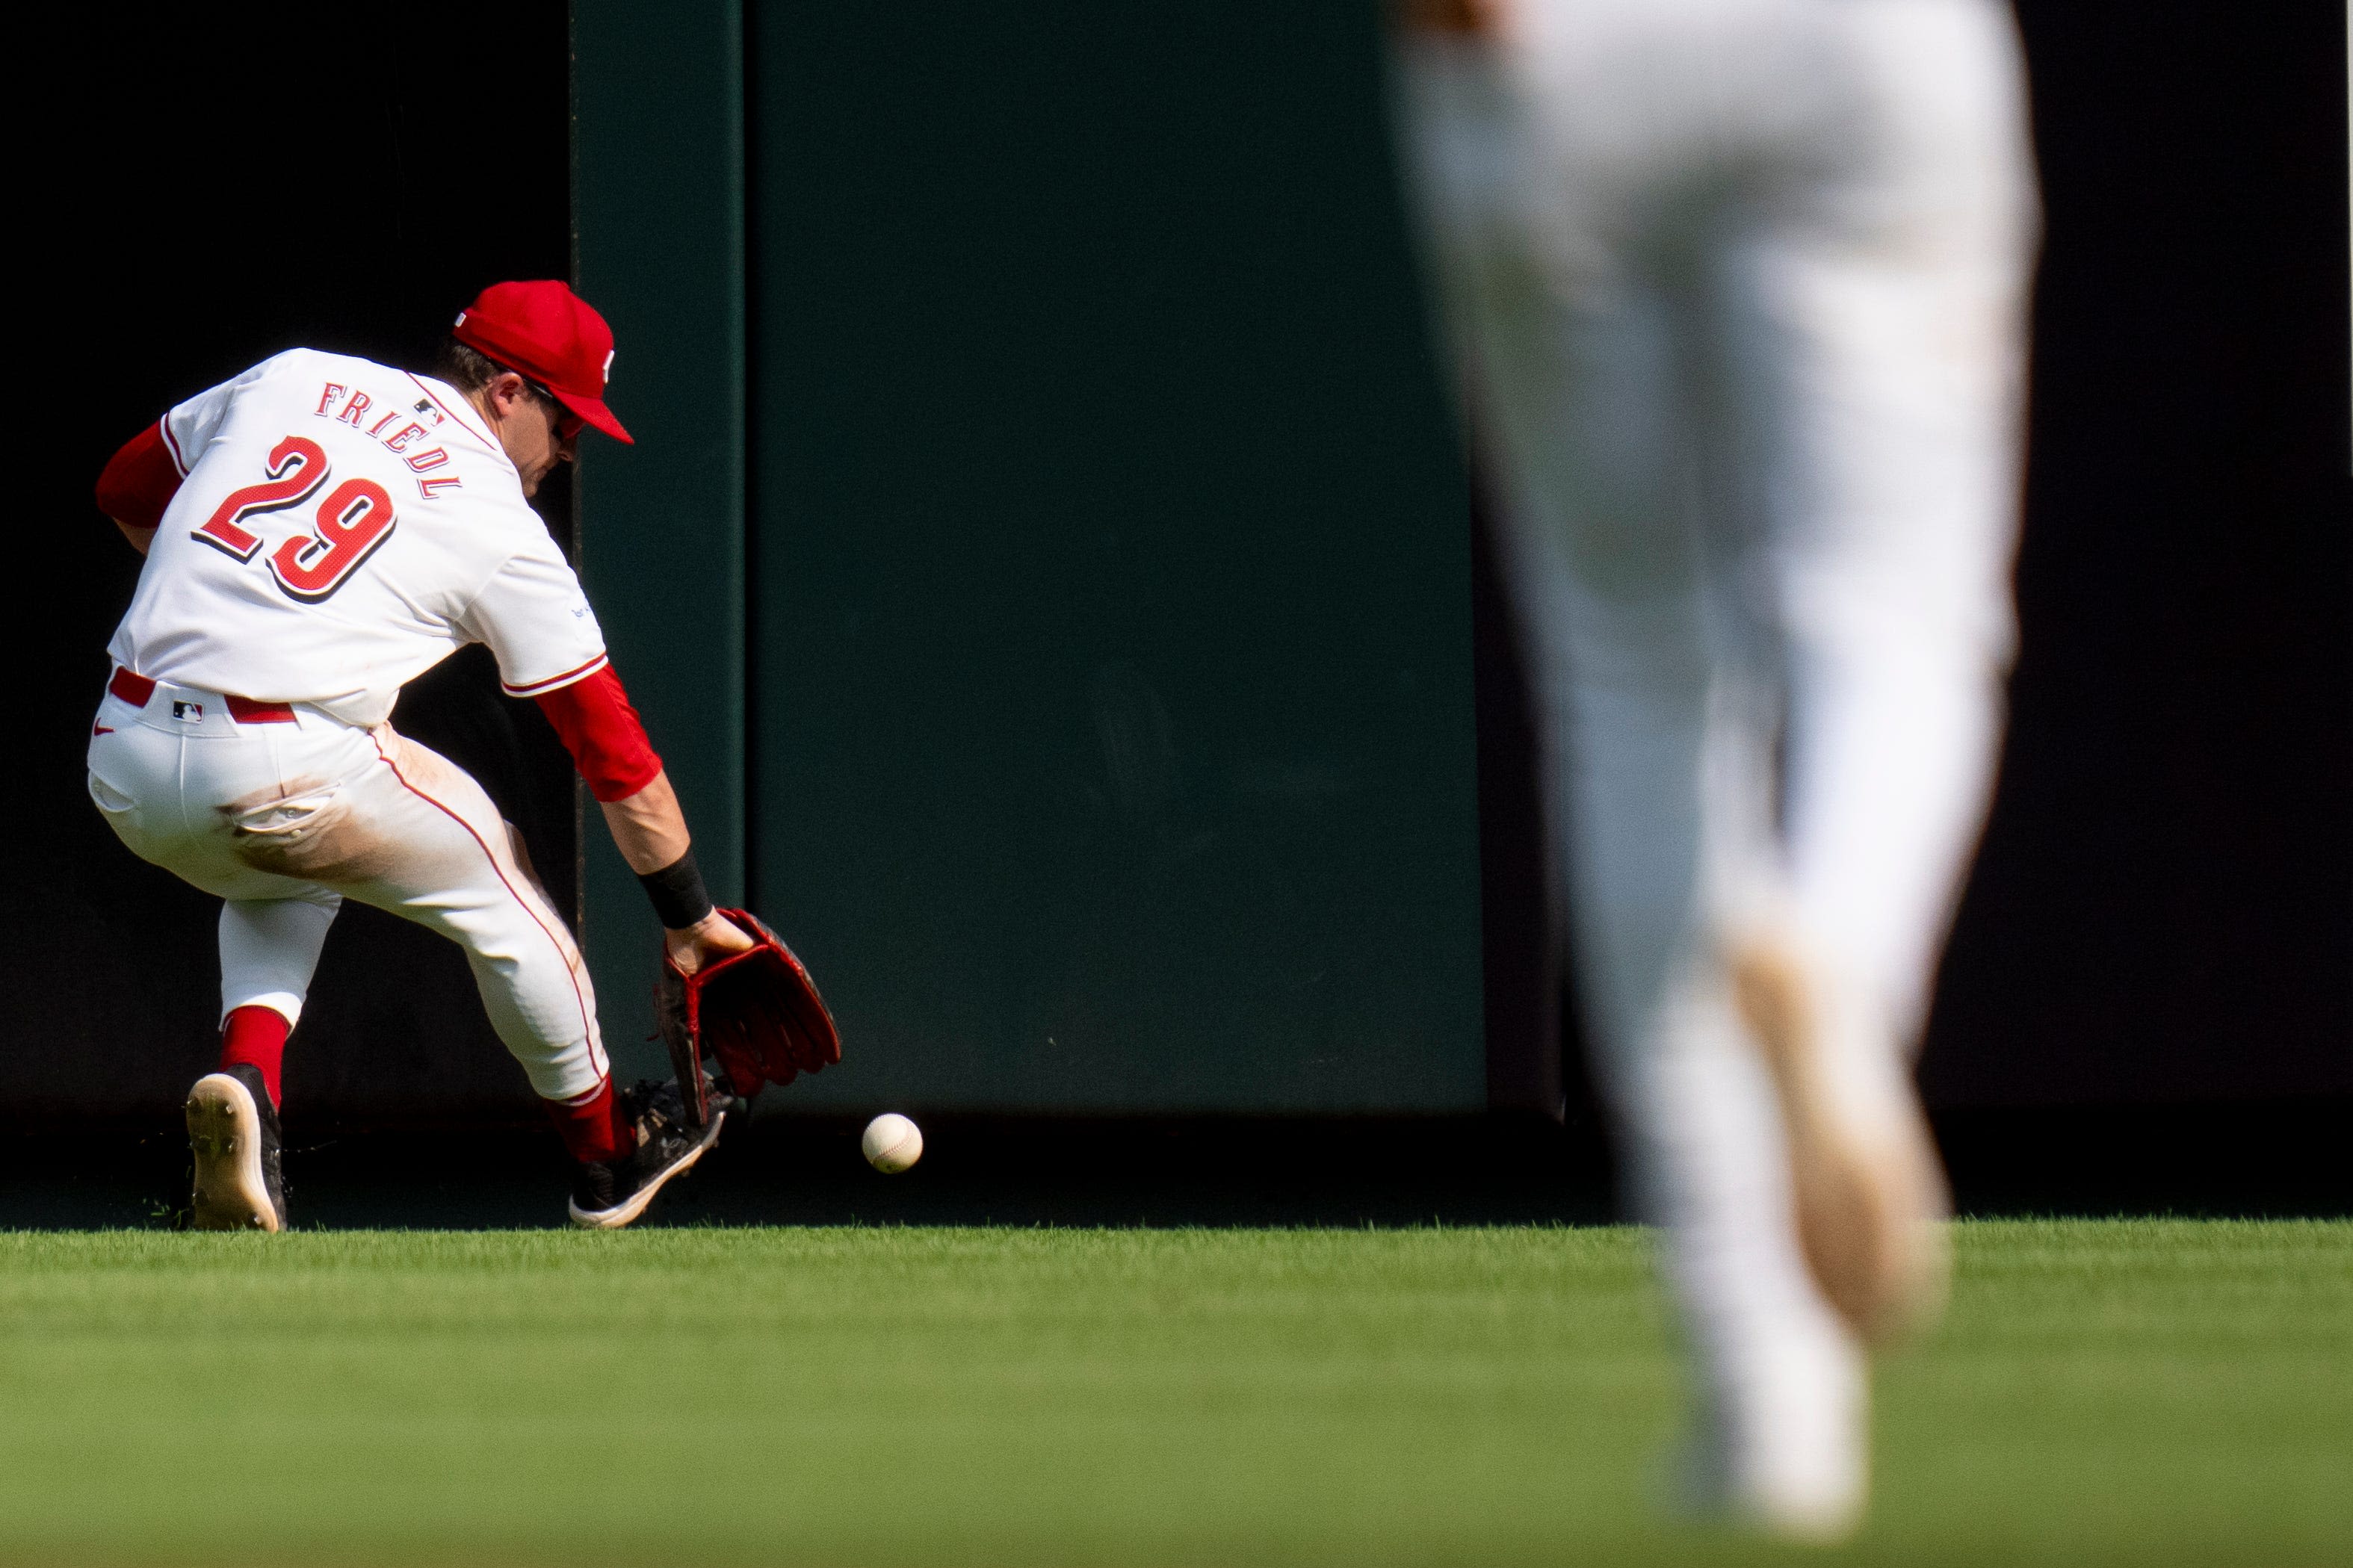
(610, 1194)
(233, 1134)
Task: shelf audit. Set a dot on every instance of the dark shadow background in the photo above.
(232, 181)
(2149, 995)
(2163, 911)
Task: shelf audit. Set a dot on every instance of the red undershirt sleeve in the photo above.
(602, 731)
(139, 481)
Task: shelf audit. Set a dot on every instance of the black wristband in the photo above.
(677, 893)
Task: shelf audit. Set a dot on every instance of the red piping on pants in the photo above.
(586, 1023)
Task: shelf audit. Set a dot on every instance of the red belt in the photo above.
(136, 689)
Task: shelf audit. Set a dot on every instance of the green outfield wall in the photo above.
(1045, 560)
(658, 210)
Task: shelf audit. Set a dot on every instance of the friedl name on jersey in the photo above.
(396, 428)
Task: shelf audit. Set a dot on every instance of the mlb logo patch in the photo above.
(188, 712)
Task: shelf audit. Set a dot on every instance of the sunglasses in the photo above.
(568, 425)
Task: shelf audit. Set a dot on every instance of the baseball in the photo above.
(892, 1142)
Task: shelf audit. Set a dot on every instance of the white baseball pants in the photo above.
(285, 820)
(1740, 288)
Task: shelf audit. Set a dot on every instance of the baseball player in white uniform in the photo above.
(1739, 290)
(318, 531)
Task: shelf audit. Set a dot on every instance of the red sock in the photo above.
(256, 1037)
(592, 1127)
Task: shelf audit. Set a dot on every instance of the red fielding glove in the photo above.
(756, 1011)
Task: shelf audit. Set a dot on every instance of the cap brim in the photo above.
(594, 411)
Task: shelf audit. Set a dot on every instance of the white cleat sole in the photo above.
(1865, 1182)
(224, 1137)
(624, 1212)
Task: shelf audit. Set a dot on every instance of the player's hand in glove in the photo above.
(753, 1007)
(708, 941)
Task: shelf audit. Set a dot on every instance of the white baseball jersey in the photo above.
(341, 527)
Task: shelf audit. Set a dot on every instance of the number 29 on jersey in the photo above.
(354, 519)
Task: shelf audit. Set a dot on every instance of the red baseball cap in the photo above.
(545, 331)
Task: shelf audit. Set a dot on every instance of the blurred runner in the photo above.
(1738, 287)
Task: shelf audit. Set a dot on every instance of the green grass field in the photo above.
(2103, 1392)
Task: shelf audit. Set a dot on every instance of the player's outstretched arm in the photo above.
(650, 830)
(730, 989)
(609, 745)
